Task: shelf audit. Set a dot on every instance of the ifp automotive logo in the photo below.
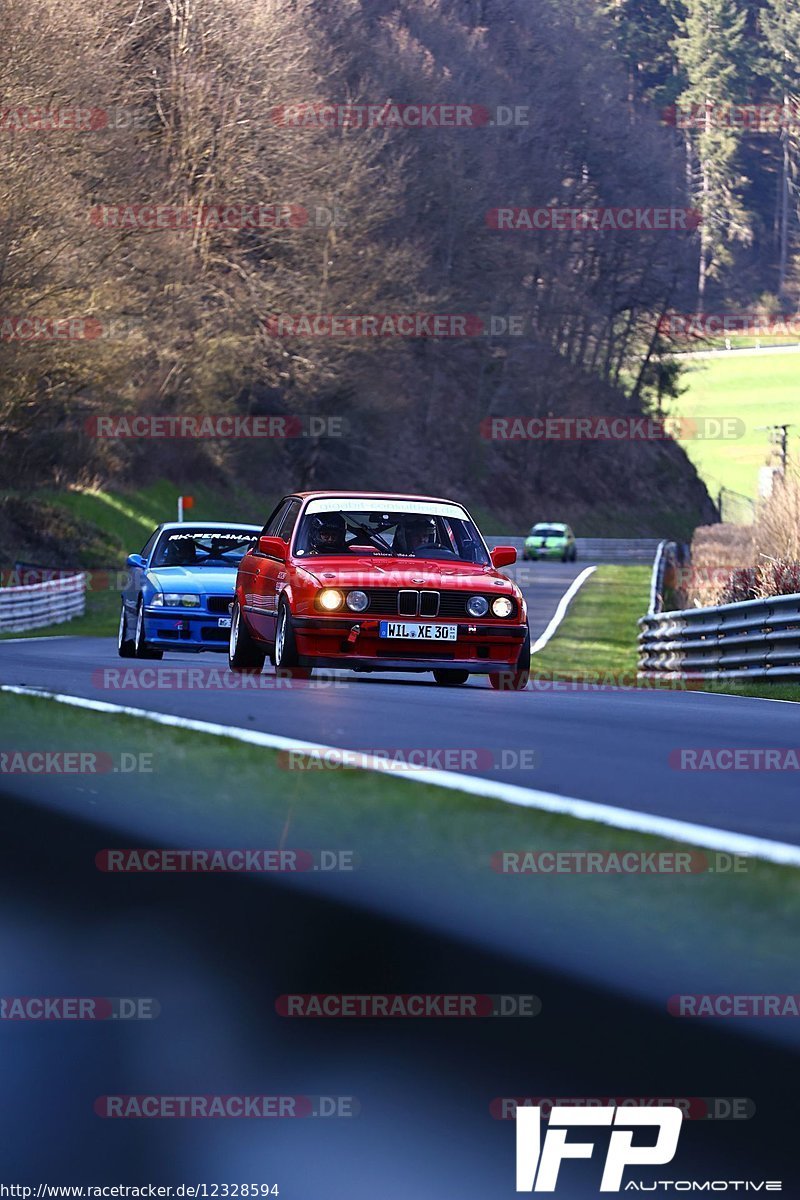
(538, 1165)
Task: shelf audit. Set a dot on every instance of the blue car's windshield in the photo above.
(202, 547)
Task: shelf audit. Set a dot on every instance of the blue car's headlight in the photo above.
(175, 600)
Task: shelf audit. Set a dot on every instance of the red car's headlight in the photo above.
(357, 601)
(502, 606)
(330, 599)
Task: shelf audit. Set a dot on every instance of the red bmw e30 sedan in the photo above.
(379, 582)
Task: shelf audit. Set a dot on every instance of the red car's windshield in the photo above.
(437, 534)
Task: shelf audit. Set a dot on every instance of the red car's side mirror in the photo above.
(503, 556)
(273, 547)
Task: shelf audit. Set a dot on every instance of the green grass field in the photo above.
(759, 390)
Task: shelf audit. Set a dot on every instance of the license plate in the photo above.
(224, 622)
(418, 632)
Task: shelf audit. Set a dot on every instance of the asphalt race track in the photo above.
(609, 745)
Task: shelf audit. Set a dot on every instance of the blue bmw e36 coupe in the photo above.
(179, 589)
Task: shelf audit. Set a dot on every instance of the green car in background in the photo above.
(549, 540)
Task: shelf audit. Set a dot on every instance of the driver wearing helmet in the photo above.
(419, 531)
(326, 534)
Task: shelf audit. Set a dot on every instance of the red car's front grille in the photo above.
(383, 600)
(394, 602)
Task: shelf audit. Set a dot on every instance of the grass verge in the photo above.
(597, 639)
(598, 634)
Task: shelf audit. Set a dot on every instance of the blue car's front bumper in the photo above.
(187, 629)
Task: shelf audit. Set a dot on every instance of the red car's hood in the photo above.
(364, 571)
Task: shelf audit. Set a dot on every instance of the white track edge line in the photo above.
(561, 610)
(50, 637)
(583, 810)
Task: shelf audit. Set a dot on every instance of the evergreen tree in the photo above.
(711, 52)
(780, 25)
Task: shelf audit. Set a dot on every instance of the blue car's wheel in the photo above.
(125, 646)
(141, 649)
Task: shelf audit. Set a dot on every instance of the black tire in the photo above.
(447, 677)
(125, 646)
(244, 653)
(284, 655)
(574, 554)
(515, 681)
(565, 556)
(140, 646)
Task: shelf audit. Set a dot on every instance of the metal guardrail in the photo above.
(657, 578)
(597, 550)
(755, 639)
(620, 550)
(35, 605)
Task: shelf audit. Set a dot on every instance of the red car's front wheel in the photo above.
(446, 677)
(286, 658)
(243, 653)
(515, 680)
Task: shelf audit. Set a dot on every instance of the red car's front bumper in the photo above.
(352, 642)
